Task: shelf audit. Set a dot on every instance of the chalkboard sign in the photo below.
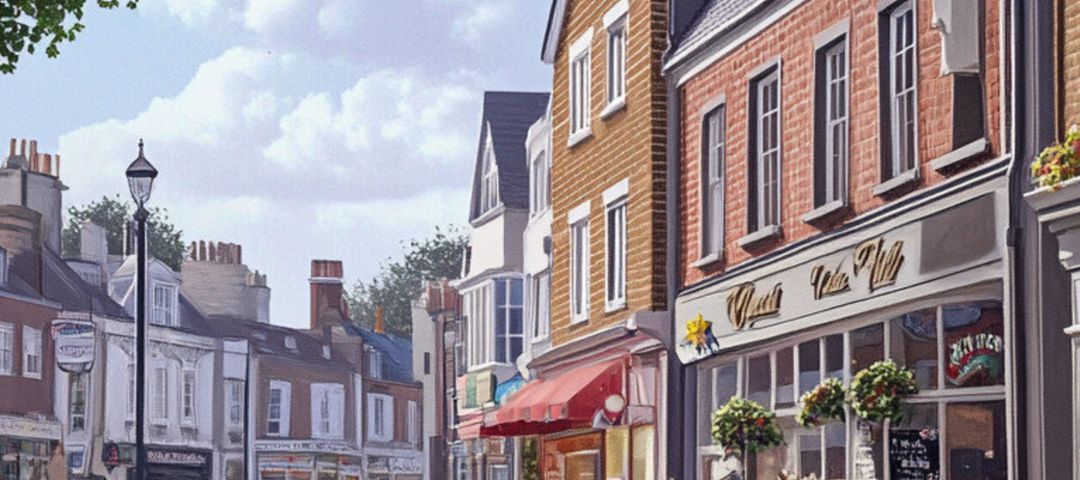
(914, 454)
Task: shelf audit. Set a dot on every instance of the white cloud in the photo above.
(479, 19)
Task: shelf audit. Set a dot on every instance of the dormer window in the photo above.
(290, 342)
(164, 310)
(489, 185)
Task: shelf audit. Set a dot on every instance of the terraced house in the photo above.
(843, 198)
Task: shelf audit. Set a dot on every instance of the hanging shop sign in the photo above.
(807, 287)
(73, 342)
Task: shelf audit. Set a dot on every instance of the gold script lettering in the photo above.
(826, 282)
(884, 265)
(743, 307)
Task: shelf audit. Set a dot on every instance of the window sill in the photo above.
(615, 307)
(960, 155)
(762, 235)
(820, 213)
(896, 183)
(32, 376)
(614, 107)
(578, 321)
(707, 260)
(579, 136)
(488, 215)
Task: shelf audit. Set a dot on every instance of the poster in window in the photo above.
(914, 454)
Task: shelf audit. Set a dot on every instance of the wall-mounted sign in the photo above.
(976, 359)
(29, 427)
(744, 305)
(73, 342)
(699, 335)
(883, 264)
(313, 446)
(828, 282)
(177, 457)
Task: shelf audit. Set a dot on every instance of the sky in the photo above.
(300, 129)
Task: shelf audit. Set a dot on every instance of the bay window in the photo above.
(509, 321)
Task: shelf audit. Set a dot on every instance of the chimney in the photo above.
(380, 325)
(93, 243)
(327, 294)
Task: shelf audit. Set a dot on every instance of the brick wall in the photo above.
(792, 38)
(402, 394)
(34, 395)
(300, 375)
(1070, 10)
(627, 145)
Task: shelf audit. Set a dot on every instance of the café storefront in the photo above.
(27, 447)
(307, 460)
(923, 287)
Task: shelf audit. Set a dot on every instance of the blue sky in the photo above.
(298, 128)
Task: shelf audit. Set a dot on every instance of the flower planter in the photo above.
(1059, 209)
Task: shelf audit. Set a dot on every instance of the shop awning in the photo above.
(563, 402)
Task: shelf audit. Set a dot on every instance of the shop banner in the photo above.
(73, 342)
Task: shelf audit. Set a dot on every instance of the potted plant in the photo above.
(877, 392)
(1056, 171)
(744, 427)
(823, 404)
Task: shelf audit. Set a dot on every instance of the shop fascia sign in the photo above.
(176, 457)
(33, 428)
(73, 344)
(303, 446)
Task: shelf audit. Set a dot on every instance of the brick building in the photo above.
(843, 197)
(596, 400)
(436, 349)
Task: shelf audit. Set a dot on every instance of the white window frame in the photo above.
(159, 396)
(3, 266)
(328, 411)
(374, 363)
(188, 387)
(767, 155)
(580, 87)
(837, 86)
(541, 311)
(234, 402)
(7, 348)
(899, 94)
(164, 313)
(713, 174)
(579, 263)
(540, 183)
(489, 180)
(32, 352)
(380, 417)
(616, 208)
(616, 22)
(78, 382)
(284, 408)
(131, 390)
(412, 422)
(507, 337)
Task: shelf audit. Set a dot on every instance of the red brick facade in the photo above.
(792, 40)
(35, 395)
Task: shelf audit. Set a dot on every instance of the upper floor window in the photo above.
(413, 423)
(132, 391)
(234, 402)
(31, 352)
(898, 82)
(616, 57)
(7, 348)
(164, 312)
(77, 401)
(615, 245)
(540, 182)
(509, 321)
(765, 150)
(374, 363)
(279, 403)
(579, 270)
(831, 123)
(713, 152)
(187, 398)
(3, 266)
(489, 184)
(328, 410)
(159, 404)
(580, 87)
(541, 292)
(380, 417)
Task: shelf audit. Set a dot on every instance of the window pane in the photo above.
(810, 454)
(975, 442)
(834, 356)
(516, 322)
(914, 444)
(785, 378)
(974, 344)
(769, 464)
(913, 343)
(725, 384)
(759, 381)
(809, 365)
(500, 292)
(515, 292)
(835, 451)
(867, 346)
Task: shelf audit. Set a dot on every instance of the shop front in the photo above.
(307, 460)
(28, 447)
(164, 463)
(924, 288)
(592, 409)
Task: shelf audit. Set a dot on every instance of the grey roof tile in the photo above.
(510, 114)
(717, 16)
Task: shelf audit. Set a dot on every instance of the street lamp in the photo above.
(140, 175)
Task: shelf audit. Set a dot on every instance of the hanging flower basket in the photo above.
(823, 404)
(744, 426)
(877, 392)
(1059, 162)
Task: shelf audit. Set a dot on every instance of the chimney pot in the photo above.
(22, 149)
(239, 258)
(48, 164)
(202, 250)
(213, 252)
(11, 151)
(56, 172)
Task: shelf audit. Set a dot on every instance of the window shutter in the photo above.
(337, 411)
(958, 23)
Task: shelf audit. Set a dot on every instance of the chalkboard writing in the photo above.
(914, 454)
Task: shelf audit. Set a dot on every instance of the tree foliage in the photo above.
(400, 282)
(25, 24)
(163, 238)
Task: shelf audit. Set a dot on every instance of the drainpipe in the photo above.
(676, 413)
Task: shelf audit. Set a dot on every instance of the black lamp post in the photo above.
(140, 175)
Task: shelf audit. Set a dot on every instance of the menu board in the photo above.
(914, 454)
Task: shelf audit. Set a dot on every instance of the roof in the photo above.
(396, 352)
(269, 339)
(716, 17)
(507, 117)
(556, 15)
(64, 286)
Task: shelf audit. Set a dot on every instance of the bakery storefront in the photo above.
(923, 287)
(307, 460)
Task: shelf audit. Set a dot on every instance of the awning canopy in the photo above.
(563, 402)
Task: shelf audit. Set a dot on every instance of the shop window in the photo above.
(974, 344)
(644, 440)
(867, 346)
(725, 385)
(785, 378)
(867, 441)
(500, 472)
(759, 381)
(975, 440)
(809, 365)
(769, 465)
(616, 452)
(914, 444)
(810, 455)
(835, 435)
(834, 356)
(582, 465)
(913, 344)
